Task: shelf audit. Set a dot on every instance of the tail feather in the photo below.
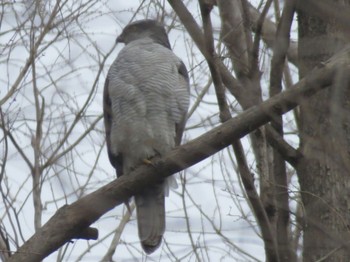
(150, 209)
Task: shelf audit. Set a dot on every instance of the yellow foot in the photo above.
(148, 162)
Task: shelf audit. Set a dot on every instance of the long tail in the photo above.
(150, 209)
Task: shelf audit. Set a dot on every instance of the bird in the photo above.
(145, 103)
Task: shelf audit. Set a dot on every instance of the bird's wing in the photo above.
(182, 100)
(115, 159)
(146, 94)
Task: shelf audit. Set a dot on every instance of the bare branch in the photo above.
(234, 35)
(256, 44)
(268, 34)
(257, 206)
(32, 54)
(118, 232)
(279, 166)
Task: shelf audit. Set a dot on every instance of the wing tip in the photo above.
(149, 248)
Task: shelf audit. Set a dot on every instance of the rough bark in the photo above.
(324, 141)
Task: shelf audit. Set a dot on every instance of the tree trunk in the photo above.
(324, 171)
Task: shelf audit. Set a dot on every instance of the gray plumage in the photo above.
(146, 97)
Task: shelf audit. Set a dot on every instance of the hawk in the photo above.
(146, 98)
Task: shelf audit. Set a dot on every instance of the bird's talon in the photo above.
(148, 162)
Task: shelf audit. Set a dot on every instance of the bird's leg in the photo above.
(147, 162)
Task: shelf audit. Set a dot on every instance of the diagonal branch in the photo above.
(70, 220)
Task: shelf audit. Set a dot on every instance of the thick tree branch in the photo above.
(72, 219)
(236, 35)
(289, 153)
(215, 73)
(279, 165)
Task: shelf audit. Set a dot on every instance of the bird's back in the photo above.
(146, 100)
(145, 90)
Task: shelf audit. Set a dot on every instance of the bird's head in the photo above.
(144, 29)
